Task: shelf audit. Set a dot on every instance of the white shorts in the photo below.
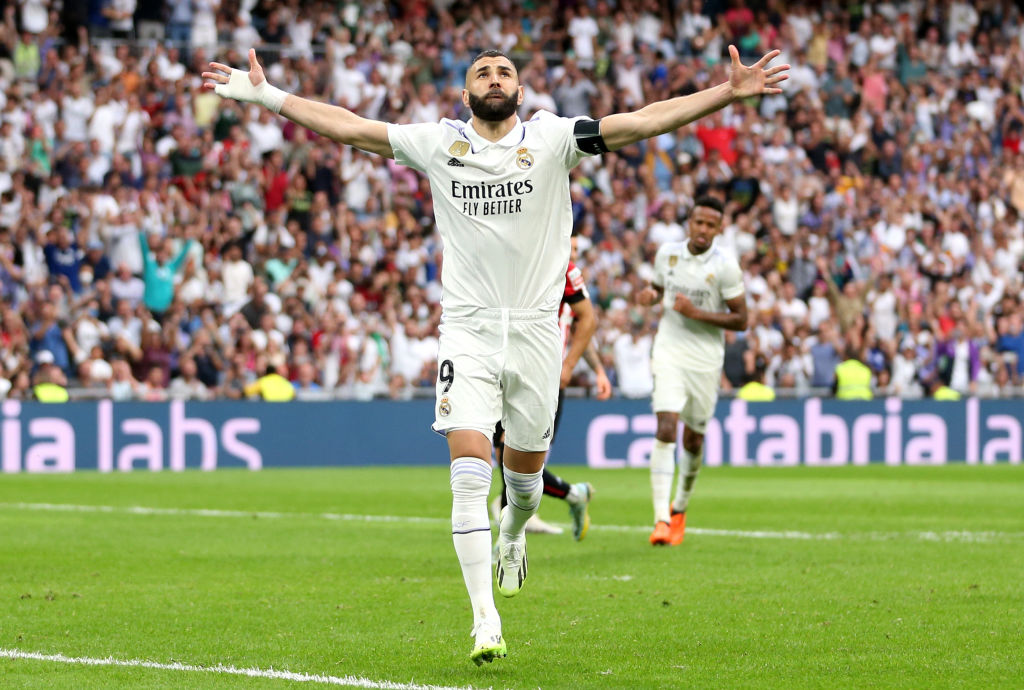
(500, 365)
(691, 394)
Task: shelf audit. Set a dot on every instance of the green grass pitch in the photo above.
(789, 578)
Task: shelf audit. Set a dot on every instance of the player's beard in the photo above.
(493, 111)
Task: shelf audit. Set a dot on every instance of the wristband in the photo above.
(271, 97)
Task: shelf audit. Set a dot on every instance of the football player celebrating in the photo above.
(701, 289)
(500, 190)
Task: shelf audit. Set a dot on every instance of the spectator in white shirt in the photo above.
(632, 353)
(960, 52)
(904, 371)
(76, 109)
(424, 107)
(667, 228)
(107, 117)
(884, 46)
(791, 306)
(629, 80)
(536, 96)
(120, 15)
(819, 307)
(126, 287)
(238, 276)
(186, 386)
(582, 29)
(884, 317)
(349, 83)
(786, 211)
(264, 134)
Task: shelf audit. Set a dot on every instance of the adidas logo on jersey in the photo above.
(454, 163)
(547, 434)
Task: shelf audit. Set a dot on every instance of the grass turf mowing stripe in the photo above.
(946, 536)
(344, 681)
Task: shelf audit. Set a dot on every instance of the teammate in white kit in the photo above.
(701, 289)
(500, 188)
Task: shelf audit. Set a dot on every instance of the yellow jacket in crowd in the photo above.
(272, 387)
(853, 381)
(755, 391)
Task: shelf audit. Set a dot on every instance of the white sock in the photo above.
(524, 491)
(663, 466)
(689, 466)
(471, 532)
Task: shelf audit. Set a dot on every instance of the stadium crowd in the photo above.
(157, 241)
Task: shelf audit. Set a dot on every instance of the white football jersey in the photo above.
(708, 280)
(502, 208)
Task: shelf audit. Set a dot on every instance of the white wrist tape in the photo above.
(241, 89)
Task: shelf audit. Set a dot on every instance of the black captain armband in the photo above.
(588, 137)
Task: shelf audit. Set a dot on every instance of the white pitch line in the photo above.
(213, 512)
(343, 681)
(931, 536)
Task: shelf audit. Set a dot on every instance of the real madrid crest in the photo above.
(523, 159)
(459, 148)
(673, 260)
(710, 278)
(444, 407)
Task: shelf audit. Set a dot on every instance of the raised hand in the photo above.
(755, 80)
(220, 78)
(248, 87)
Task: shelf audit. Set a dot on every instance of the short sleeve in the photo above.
(413, 144)
(558, 132)
(659, 266)
(731, 282)
(575, 287)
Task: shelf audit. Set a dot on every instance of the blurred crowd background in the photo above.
(157, 241)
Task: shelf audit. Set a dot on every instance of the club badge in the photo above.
(523, 159)
(444, 407)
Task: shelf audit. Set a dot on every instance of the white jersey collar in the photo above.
(513, 138)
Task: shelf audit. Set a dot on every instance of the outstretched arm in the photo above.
(180, 258)
(624, 129)
(144, 245)
(333, 122)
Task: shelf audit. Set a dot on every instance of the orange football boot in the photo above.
(661, 535)
(677, 528)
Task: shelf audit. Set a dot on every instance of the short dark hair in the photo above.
(711, 202)
(490, 54)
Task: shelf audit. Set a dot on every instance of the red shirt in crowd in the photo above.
(720, 139)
